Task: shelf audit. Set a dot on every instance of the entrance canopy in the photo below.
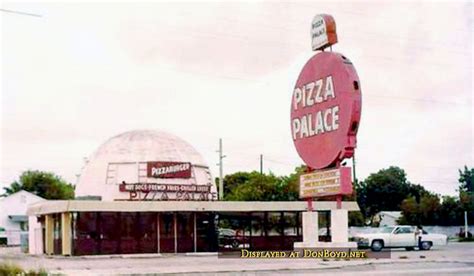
(62, 206)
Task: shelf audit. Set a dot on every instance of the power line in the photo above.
(374, 35)
(21, 13)
(363, 94)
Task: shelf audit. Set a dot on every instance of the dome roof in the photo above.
(124, 158)
(147, 145)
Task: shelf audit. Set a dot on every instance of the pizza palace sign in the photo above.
(324, 120)
(325, 114)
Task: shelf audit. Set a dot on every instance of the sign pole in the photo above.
(310, 204)
(339, 201)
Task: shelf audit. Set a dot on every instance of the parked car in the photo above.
(401, 236)
(231, 237)
(3, 236)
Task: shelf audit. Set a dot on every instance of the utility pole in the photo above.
(354, 168)
(466, 228)
(221, 171)
(261, 163)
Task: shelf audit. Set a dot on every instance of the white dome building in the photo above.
(146, 165)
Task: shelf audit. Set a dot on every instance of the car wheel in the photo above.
(235, 244)
(409, 248)
(425, 245)
(377, 246)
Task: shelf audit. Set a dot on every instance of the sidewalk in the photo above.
(181, 263)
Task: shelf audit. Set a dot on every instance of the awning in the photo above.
(62, 206)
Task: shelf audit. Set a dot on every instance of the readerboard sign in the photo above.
(326, 182)
(323, 32)
(325, 110)
(159, 192)
(168, 169)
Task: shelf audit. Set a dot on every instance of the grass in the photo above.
(469, 239)
(10, 269)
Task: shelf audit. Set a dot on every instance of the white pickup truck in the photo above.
(401, 236)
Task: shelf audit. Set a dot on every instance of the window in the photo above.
(385, 230)
(404, 230)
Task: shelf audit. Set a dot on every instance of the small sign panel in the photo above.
(160, 192)
(325, 183)
(147, 187)
(323, 32)
(167, 169)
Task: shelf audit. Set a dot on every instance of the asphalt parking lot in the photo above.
(456, 258)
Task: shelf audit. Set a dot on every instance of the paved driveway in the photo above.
(456, 258)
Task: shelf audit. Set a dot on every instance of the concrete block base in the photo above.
(297, 245)
(339, 231)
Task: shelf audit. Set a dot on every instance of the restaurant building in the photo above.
(151, 192)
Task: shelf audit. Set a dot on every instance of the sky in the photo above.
(84, 72)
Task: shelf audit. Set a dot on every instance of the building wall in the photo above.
(124, 158)
(15, 205)
(35, 236)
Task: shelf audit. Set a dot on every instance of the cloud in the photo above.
(85, 72)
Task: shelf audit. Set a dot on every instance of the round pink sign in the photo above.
(325, 110)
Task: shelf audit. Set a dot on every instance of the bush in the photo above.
(9, 269)
(469, 239)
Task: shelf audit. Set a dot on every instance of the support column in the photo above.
(340, 229)
(35, 236)
(310, 227)
(339, 225)
(310, 230)
(175, 222)
(195, 232)
(49, 234)
(158, 240)
(66, 234)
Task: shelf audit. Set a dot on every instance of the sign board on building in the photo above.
(326, 182)
(325, 110)
(148, 187)
(323, 32)
(167, 169)
(157, 191)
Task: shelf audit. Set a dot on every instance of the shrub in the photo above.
(9, 269)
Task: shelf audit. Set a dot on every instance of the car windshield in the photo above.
(385, 230)
(226, 232)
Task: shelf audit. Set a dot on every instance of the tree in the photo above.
(429, 209)
(254, 186)
(44, 184)
(466, 180)
(466, 192)
(450, 212)
(231, 181)
(258, 187)
(382, 191)
(410, 211)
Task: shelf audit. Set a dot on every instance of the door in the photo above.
(167, 233)
(403, 237)
(185, 232)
